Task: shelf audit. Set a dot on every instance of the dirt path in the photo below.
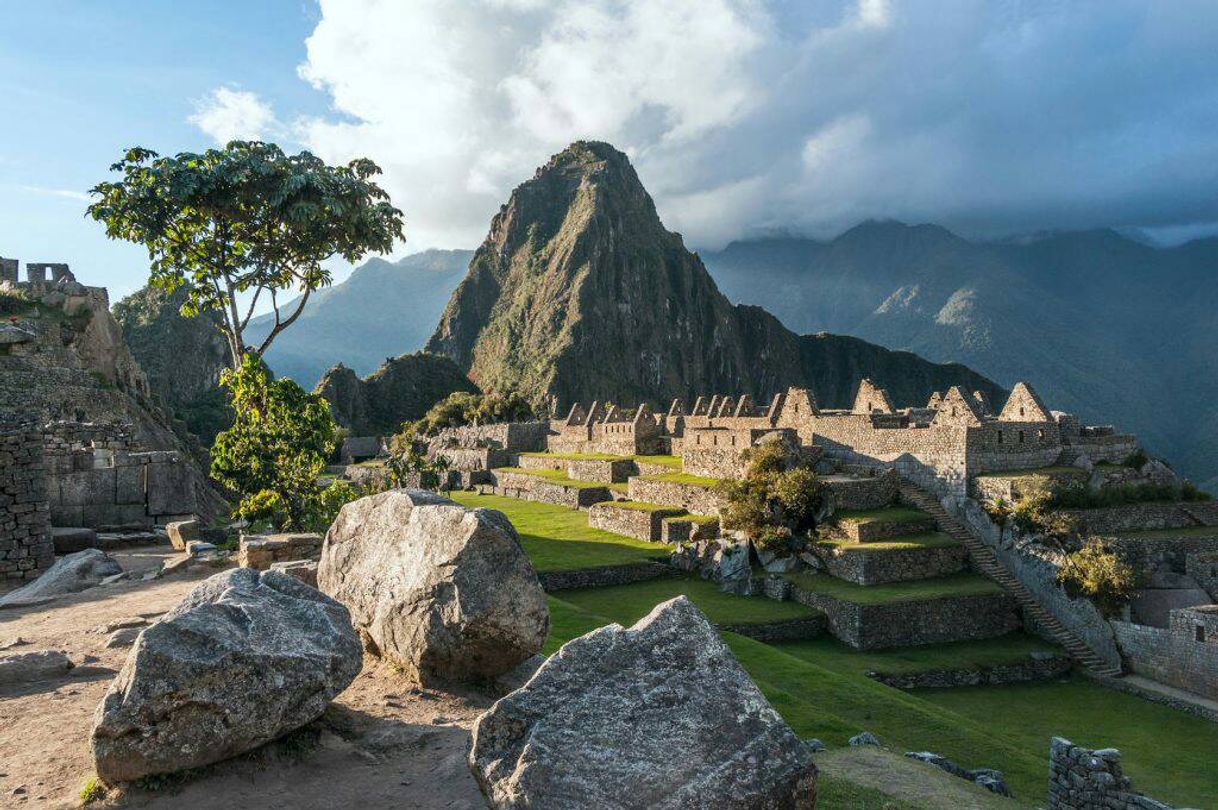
(381, 744)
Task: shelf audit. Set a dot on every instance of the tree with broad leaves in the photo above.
(245, 222)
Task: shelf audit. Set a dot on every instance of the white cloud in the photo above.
(63, 193)
(747, 114)
(226, 114)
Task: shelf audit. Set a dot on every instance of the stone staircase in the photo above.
(988, 563)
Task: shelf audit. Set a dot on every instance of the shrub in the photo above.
(1095, 572)
(462, 408)
(777, 500)
(1077, 495)
(1137, 459)
(13, 301)
(408, 461)
(93, 791)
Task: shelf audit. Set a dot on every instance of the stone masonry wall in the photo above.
(1173, 656)
(1082, 779)
(641, 524)
(699, 500)
(890, 565)
(260, 551)
(862, 494)
(1138, 516)
(26, 549)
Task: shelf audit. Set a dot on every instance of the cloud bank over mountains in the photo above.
(744, 116)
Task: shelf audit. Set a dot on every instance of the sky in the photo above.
(743, 117)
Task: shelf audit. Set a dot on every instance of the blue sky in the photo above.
(990, 117)
(80, 83)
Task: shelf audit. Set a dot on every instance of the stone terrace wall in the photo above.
(514, 437)
(699, 500)
(863, 494)
(26, 549)
(890, 565)
(1082, 779)
(1173, 656)
(1137, 516)
(1145, 554)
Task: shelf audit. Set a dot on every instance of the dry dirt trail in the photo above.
(381, 744)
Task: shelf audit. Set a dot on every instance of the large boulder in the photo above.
(242, 659)
(444, 592)
(69, 574)
(42, 665)
(660, 715)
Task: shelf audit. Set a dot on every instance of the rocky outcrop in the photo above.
(579, 293)
(444, 592)
(660, 715)
(70, 574)
(241, 660)
(402, 389)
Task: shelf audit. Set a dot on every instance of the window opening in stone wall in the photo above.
(1000, 437)
(1200, 632)
(1021, 437)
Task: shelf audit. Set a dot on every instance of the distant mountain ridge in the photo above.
(383, 309)
(579, 293)
(1105, 326)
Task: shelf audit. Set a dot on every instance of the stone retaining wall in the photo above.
(1145, 554)
(1034, 669)
(641, 524)
(1082, 779)
(699, 500)
(603, 576)
(879, 530)
(1140, 516)
(905, 624)
(614, 471)
(26, 547)
(774, 632)
(531, 488)
(684, 530)
(863, 494)
(890, 565)
(1174, 655)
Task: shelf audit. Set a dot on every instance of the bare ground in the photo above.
(382, 743)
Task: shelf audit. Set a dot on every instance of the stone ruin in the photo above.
(26, 548)
(1082, 779)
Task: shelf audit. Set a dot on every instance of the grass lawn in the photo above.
(559, 539)
(1168, 754)
(1168, 534)
(664, 461)
(962, 584)
(629, 603)
(832, 654)
(891, 514)
(927, 540)
(554, 476)
(683, 478)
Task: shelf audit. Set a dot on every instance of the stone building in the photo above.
(26, 548)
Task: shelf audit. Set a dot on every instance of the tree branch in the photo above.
(281, 325)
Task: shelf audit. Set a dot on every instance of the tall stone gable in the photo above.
(1024, 405)
(871, 399)
(958, 408)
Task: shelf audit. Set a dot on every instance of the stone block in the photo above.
(182, 533)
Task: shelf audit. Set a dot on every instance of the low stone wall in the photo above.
(261, 551)
(1140, 516)
(1173, 656)
(1082, 779)
(603, 576)
(1036, 568)
(1145, 553)
(699, 500)
(876, 531)
(614, 471)
(684, 530)
(544, 462)
(890, 565)
(26, 547)
(531, 488)
(906, 624)
(1047, 668)
(862, 494)
(619, 518)
(805, 627)
(1013, 487)
(1203, 567)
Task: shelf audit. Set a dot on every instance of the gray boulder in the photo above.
(71, 539)
(69, 574)
(444, 592)
(18, 668)
(660, 715)
(864, 738)
(242, 659)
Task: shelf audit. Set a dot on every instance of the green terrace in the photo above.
(683, 478)
(828, 652)
(891, 514)
(904, 543)
(559, 477)
(961, 584)
(629, 603)
(559, 539)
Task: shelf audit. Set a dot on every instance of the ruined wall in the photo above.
(1184, 655)
(26, 549)
(1082, 779)
(1139, 516)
